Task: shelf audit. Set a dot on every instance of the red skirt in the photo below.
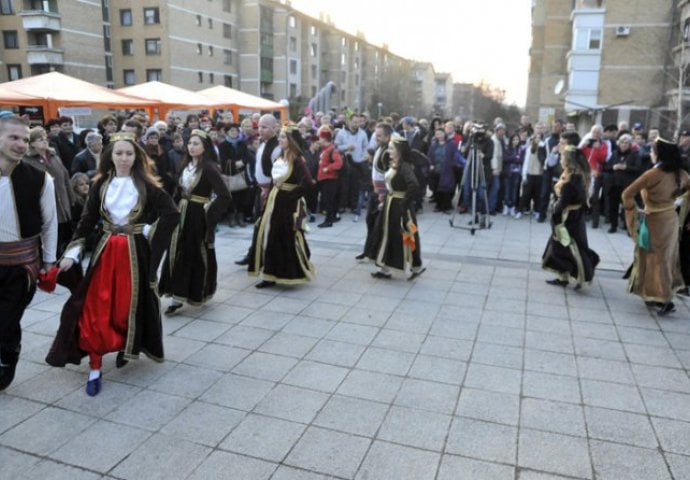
(104, 318)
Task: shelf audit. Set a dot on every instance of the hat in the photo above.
(637, 126)
(152, 131)
(326, 134)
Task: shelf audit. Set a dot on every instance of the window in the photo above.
(227, 57)
(105, 10)
(106, 37)
(356, 46)
(211, 77)
(210, 23)
(227, 5)
(151, 16)
(343, 42)
(126, 17)
(199, 49)
(201, 77)
(128, 77)
(314, 50)
(292, 22)
(293, 90)
(588, 39)
(210, 50)
(343, 59)
(293, 67)
(154, 75)
(198, 20)
(14, 72)
(343, 77)
(128, 47)
(153, 46)
(227, 79)
(6, 9)
(293, 44)
(109, 70)
(10, 39)
(313, 91)
(312, 30)
(227, 30)
(314, 72)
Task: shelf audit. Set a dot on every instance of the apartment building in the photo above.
(263, 47)
(605, 61)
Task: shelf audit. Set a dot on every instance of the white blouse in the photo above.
(280, 170)
(189, 175)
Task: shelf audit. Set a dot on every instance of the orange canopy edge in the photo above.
(235, 100)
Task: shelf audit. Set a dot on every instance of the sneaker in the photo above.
(506, 210)
(356, 219)
(511, 211)
(518, 215)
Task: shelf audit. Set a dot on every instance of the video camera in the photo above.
(478, 132)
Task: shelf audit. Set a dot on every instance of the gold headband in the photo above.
(117, 136)
(397, 138)
(289, 128)
(199, 133)
(663, 140)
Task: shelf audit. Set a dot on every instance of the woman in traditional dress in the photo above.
(190, 269)
(116, 307)
(567, 251)
(397, 238)
(655, 275)
(280, 253)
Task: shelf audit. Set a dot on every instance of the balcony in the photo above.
(44, 55)
(266, 75)
(40, 20)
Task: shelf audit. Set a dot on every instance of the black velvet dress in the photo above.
(190, 269)
(279, 251)
(144, 332)
(569, 254)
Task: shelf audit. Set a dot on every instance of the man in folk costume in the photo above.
(28, 237)
(380, 164)
(266, 154)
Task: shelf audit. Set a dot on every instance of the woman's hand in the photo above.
(66, 264)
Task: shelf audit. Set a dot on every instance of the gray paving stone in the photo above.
(47, 469)
(386, 361)
(15, 410)
(49, 386)
(265, 366)
(461, 329)
(226, 313)
(596, 348)
(500, 335)
(263, 437)
(14, 463)
(587, 329)
(605, 370)
(245, 337)
(284, 304)
(202, 330)
(113, 443)
(661, 378)
(415, 323)
(290, 473)
(550, 416)
(622, 462)
(336, 353)
(237, 392)
(482, 440)
(351, 333)
(186, 381)
(642, 336)
(46, 431)
(498, 355)
(652, 355)
(398, 340)
(673, 435)
(496, 379)
(621, 427)
(555, 326)
(267, 319)
(447, 347)
(316, 376)
(550, 362)
(433, 396)
(149, 410)
(680, 466)
(612, 395)
(365, 316)
(667, 404)
(292, 403)
(438, 369)
(452, 466)
(490, 406)
(329, 452)
(549, 341)
(415, 428)
(379, 387)
(289, 344)
(325, 311)
(551, 452)
(218, 357)
(178, 349)
(162, 457)
(551, 387)
(352, 415)
(203, 423)
(386, 461)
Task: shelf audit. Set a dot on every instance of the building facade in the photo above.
(262, 47)
(607, 61)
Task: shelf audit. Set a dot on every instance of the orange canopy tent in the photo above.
(168, 97)
(235, 100)
(54, 90)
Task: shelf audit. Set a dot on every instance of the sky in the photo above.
(474, 40)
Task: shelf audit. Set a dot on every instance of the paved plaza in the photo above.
(476, 370)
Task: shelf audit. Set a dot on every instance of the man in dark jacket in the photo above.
(67, 142)
(87, 160)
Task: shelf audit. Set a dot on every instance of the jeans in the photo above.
(493, 192)
(467, 196)
(511, 188)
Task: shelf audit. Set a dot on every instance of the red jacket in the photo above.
(330, 163)
(596, 157)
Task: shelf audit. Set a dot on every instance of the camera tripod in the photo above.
(474, 173)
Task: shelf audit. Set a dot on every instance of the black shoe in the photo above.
(360, 256)
(93, 387)
(595, 225)
(8, 366)
(612, 230)
(666, 309)
(120, 360)
(325, 224)
(541, 219)
(416, 274)
(312, 218)
(684, 292)
(654, 304)
(244, 261)
(265, 284)
(380, 274)
(173, 308)
(558, 282)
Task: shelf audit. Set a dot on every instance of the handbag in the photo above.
(236, 182)
(643, 235)
(562, 235)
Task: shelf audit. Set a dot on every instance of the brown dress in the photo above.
(655, 274)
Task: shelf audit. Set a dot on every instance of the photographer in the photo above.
(352, 143)
(477, 147)
(330, 165)
(596, 152)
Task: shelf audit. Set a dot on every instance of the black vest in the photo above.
(266, 160)
(27, 185)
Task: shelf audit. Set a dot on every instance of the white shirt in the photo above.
(9, 223)
(262, 179)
